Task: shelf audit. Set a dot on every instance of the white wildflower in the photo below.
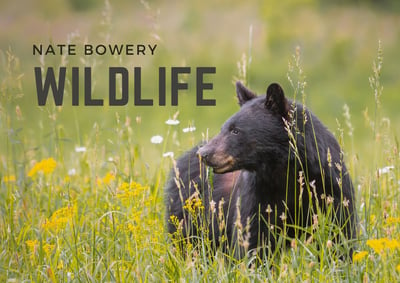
(189, 129)
(80, 149)
(168, 154)
(385, 170)
(172, 122)
(156, 139)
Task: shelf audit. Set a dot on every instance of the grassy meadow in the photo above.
(81, 188)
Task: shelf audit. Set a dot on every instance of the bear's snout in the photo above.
(203, 153)
(208, 155)
(215, 157)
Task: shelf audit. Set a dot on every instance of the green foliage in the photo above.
(100, 218)
(82, 5)
(376, 4)
(81, 190)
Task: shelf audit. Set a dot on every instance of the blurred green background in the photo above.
(338, 43)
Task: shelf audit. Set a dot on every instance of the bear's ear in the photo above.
(243, 93)
(276, 100)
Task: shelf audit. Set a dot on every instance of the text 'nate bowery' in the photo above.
(94, 49)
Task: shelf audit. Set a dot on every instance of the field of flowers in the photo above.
(81, 190)
(100, 218)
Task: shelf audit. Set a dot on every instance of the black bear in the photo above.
(275, 165)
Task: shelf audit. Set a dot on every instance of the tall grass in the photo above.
(94, 212)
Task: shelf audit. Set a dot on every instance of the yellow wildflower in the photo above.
(60, 218)
(46, 167)
(48, 248)
(378, 245)
(359, 256)
(392, 244)
(130, 227)
(174, 220)
(60, 265)
(32, 245)
(128, 191)
(372, 219)
(108, 178)
(398, 267)
(193, 204)
(392, 220)
(9, 178)
(67, 179)
(133, 224)
(66, 212)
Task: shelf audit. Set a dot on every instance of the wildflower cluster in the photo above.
(177, 235)
(127, 192)
(359, 256)
(136, 204)
(46, 167)
(108, 178)
(392, 220)
(193, 204)
(175, 221)
(59, 219)
(33, 247)
(380, 245)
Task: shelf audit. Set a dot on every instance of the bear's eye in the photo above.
(234, 131)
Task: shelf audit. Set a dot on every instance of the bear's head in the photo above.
(252, 137)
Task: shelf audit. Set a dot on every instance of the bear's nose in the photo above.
(202, 153)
